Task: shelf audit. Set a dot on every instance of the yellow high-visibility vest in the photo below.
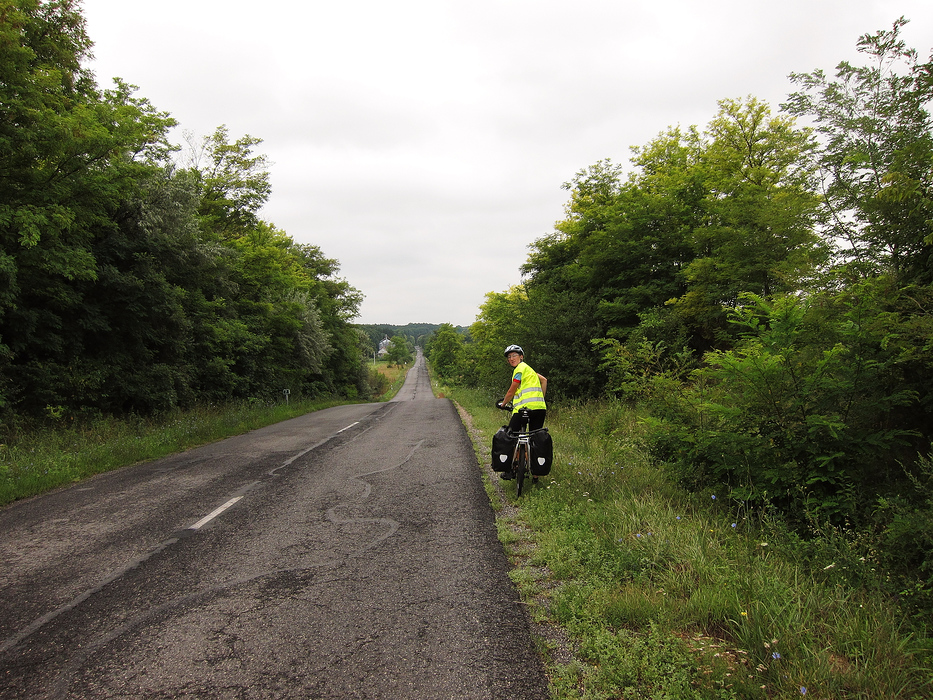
(529, 394)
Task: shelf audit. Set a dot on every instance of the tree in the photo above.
(757, 234)
(876, 152)
(445, 351)
(500, 322)
(234, 182)
(70, 157)
(399, 353)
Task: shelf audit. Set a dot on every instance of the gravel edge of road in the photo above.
(552, 642)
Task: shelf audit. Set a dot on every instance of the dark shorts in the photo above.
(535, 421)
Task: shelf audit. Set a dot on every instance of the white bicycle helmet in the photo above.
(514, 348)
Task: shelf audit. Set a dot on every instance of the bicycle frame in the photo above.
(521, 458)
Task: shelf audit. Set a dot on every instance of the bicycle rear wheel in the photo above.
(521, 471)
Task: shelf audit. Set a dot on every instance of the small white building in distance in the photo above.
(384, 346)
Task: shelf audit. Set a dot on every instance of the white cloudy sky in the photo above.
(423, 143)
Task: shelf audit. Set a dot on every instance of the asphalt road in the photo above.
(349, 553)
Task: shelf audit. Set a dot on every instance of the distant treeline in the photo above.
(414, 333)
(135, 275)
(763, 292)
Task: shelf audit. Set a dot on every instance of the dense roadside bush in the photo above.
(807, 415)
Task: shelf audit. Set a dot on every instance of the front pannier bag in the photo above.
(503, 448)
(542, 452)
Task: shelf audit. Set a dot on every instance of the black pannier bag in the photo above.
(503, 449)
(542, 452)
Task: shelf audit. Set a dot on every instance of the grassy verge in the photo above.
(58, 455)
(663, 594)
(395, 375)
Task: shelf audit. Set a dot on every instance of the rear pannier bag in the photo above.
(503, 448)
(542, 452)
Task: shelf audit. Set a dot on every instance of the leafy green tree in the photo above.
(234, 182)
(500, 322)
(877, 146)
(758, 230)
(70, 157)
(399, 353)
(128, 284)
(445, 351)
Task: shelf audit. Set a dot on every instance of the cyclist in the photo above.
(526, 391)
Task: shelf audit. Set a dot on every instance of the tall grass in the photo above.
(666, 594)
(59, 454)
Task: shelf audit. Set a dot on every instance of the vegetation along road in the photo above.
(349, 553)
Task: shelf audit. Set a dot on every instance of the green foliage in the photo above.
(763, 292)
(501, 322)
(128, 285)
(234, 183)
(399, 352)
(876, 154)
(659, 592)
(801, 413)
(445, 351)
(418, 334)
(705, 219)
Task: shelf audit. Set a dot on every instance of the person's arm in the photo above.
(543, 380)
(510, 394)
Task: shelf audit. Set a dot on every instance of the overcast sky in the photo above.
(423, 143)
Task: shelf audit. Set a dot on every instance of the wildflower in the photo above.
(733, 526)
(775, 655)
(678, 517)
(743, 614)
(714, 496)
(638, 535)
(803, 691)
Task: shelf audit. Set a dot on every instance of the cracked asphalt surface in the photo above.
(356, 557)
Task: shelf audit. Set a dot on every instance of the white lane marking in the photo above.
(348, 427)
(207, 518)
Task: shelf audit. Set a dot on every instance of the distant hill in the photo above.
(415, 332)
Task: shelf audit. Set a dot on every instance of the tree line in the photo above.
(136, 275)
(762, 290)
